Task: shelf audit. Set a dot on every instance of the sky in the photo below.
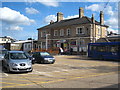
(20, 20)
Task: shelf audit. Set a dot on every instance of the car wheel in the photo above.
(31, 70)
(8, 70)
(41, 61)
(3, 65)
(53, 62)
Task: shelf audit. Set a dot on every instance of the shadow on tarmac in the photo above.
(85, 57)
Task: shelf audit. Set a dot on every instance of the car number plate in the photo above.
(50, 60)
(22, 67)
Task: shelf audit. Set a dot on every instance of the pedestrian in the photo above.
(71, 51)
(61, 51)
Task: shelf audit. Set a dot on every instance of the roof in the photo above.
(26, 41)
(114, 36)
(73, 21)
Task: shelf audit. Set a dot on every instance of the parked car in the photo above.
(43, 57)
(2, 54)
(17, 61)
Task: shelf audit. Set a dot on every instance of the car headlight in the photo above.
(45, 58)
(2, 56)
(14, 64)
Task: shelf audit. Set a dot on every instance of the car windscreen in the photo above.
(44, 54)
(18, 56)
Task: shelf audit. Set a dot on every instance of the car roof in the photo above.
(15, 51)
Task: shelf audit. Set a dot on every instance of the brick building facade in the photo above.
(73, 33)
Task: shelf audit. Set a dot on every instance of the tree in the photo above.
(29, 39)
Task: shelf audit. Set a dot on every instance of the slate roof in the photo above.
(73, 21)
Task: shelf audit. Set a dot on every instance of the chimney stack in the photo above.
(81, 12)
(59, 16)
(101, 18)
(92, 18)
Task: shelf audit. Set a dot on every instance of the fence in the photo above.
(52, 51)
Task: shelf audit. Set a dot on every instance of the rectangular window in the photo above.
(41, 34)
(68, 32)
(99, 31)
(114, 48)
(44, 34)
(61, 32)
(55, 33)
(79, 30)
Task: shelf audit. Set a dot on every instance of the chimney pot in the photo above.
(51, 22)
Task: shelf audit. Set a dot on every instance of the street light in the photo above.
(47, 41)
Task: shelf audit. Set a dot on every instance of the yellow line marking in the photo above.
(27, 80)
(7, 83)
(59, 80)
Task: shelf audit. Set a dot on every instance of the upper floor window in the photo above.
(61, 32)
(44, 34)
(99, 31)
(87, 31)
(68, 32)
(55, 33)
(79, 30)
(41, 34)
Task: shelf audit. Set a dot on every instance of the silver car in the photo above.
(17, 61)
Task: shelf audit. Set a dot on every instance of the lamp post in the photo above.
(47, 41)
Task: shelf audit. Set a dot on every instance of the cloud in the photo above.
(94, 7)
(49, 18)
(100, 7)
(12, 19)
(14, 28)
(112, 21)
(113, 30)
(69, 17)
(52, 3)
(31, 10)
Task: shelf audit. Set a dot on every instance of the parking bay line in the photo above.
(59, 80)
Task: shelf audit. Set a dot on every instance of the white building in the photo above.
(27, 45)
(6, 39)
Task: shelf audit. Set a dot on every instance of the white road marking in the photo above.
(41, 73)
(5, 74)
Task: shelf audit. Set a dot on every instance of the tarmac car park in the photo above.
(67, 72)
